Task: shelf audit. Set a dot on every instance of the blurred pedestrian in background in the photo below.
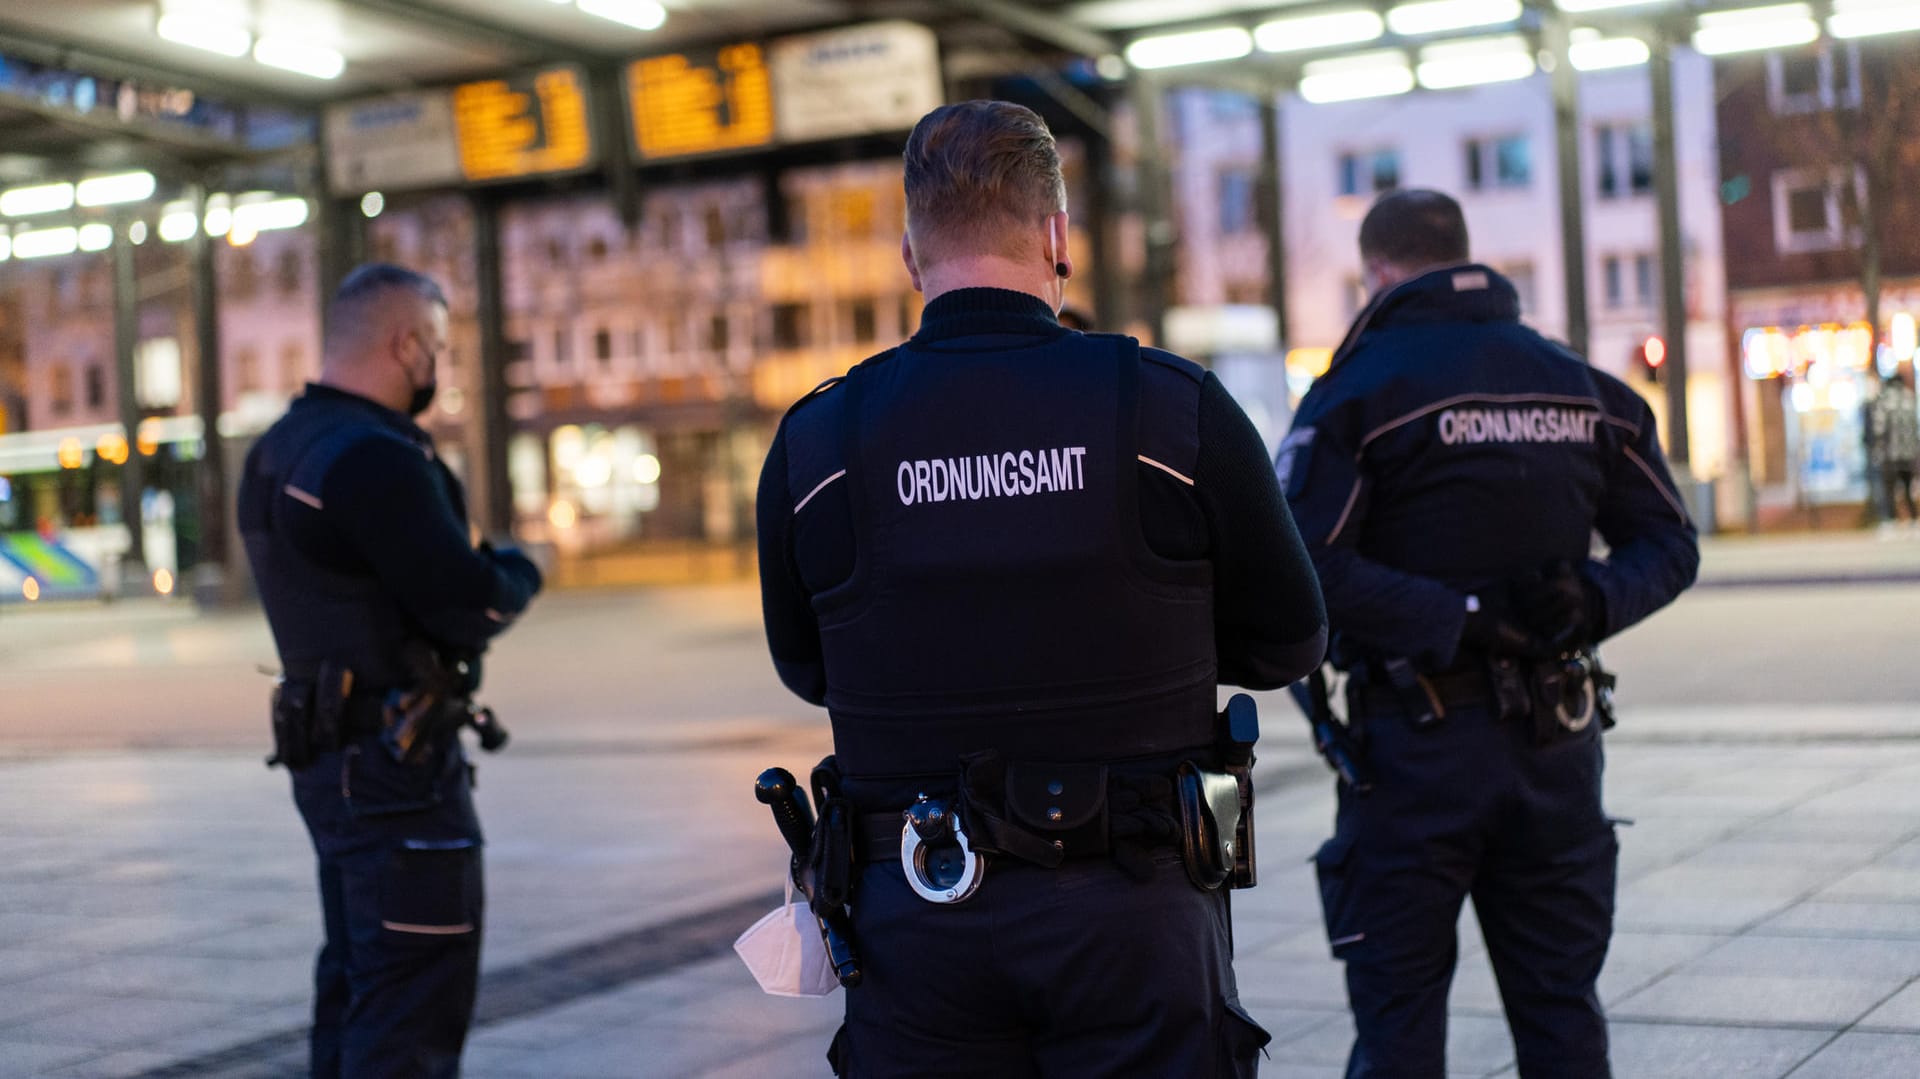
(1894, 443)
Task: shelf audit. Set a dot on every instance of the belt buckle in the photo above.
(939, 861)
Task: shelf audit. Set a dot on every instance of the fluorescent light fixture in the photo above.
(115, 189)
(1474, 63)
(1588, 51)
(1578, 6)
(1440, 16)
(6, 247)
(201, 32)
(289, 54)
(1866, 18)
(289, 213)
(639, 14)
(137, 233)
(39, 199)
(177, 223)
(45, 243)
(1318, 31)
(1362, 75)
(1191, 47)
(1776, 27)
(95, 236)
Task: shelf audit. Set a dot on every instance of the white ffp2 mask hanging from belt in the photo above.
(785, 953)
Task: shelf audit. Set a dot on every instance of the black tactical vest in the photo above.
(1003, 596)
(318, 612)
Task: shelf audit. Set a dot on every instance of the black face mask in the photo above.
(422, 397)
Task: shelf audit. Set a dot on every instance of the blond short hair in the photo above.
(977, 173)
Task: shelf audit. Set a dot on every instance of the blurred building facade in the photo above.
(1820, 165)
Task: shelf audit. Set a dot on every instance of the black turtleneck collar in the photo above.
(321, 392)
(973, 312)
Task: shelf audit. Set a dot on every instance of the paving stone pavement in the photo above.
(158, 914)
(155, 911)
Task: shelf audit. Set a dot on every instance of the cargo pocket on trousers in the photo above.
(431, 889)
(1242, 1041)
(1333, 865)
(837, 1055)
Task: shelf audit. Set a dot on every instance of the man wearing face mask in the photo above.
(1015, 562)
(380, 606)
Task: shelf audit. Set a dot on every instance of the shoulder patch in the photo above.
(1171, 362)
(1290, 467)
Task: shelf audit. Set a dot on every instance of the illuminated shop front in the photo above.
(1808, 382)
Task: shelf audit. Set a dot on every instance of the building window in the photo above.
(291, 269)
(562, 350)
(1816, 209)
(909, 313)
(247, 370)
(96, 387)
(1626, 159)
(716, 227)
(1237, 209)
(718, 334)
(603, 346)
(60, 388)
(789, 325)
(597, 249)
(1814, 79)
(556, 252)
(1520, 275)
(293, 364)
(1496, 163)
(1639, 292)
(1645, 277)
(1369, 173)
(864, 321)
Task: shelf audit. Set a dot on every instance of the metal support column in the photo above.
(126, 339)
(208, 396)
(1573, 231)
(490, 311)
(1156, 287)
(1272, 211)
(1096, 221)
(1673, 300)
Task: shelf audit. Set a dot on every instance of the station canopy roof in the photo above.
(262, 58)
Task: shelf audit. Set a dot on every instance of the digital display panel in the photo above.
(525, 125)
(686, 104)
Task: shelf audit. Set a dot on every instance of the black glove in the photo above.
(1491, 628)
(515, 562)
(1559, 605)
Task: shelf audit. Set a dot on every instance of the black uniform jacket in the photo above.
(1449, 449)
(1269, 626)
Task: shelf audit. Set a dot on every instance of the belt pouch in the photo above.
(292, 725)
(332, 684)
(1065, 804)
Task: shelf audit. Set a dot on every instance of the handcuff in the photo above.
(940, 863)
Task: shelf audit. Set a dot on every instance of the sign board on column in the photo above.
(392, 143)
(861, 80)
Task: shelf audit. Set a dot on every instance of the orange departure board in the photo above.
(701, 102)
(526, 125)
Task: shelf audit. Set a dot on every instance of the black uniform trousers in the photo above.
(400, 888)
(1472, 806)
(1079, 971)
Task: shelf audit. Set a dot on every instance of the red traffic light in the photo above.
(1654, 352)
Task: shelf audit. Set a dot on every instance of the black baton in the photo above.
(1331, 737)
(779, 791)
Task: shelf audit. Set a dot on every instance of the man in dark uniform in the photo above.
(380, 605)
(1448, 473)
(1030, 553)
